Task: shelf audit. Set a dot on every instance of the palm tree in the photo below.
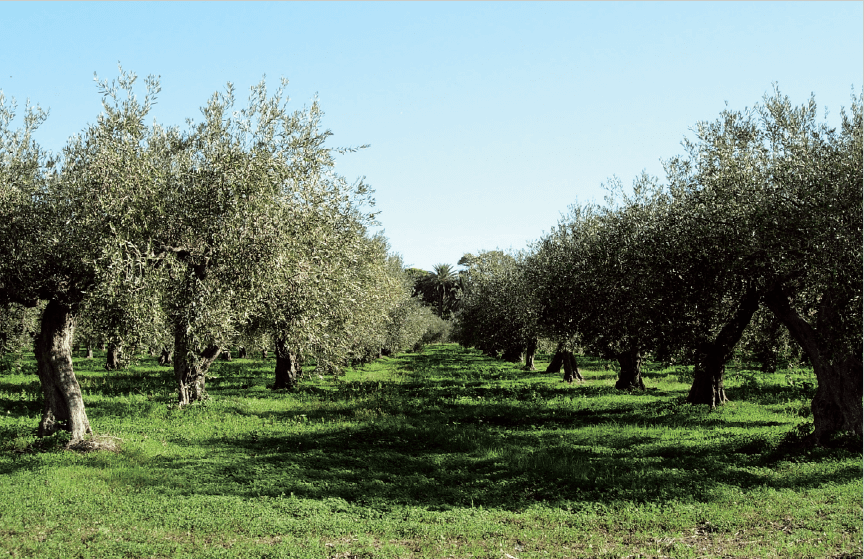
(443, 280)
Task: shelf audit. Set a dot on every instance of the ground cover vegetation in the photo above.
(435, 454)
(716, 304)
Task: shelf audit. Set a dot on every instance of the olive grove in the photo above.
(761, 217)
(236, 224)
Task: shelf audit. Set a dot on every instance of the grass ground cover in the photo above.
(441, 454)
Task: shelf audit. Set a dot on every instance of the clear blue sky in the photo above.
(486, 120)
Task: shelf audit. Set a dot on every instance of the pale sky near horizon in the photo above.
(486, 120)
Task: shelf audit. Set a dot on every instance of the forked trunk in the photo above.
(711, 357)
(63, 407)
(557, 361)
(241, 352)
(287, 366)
(226, 355)
(190, 369)
(571, 371)
(837, 403)
(630, 376)
(530, 351)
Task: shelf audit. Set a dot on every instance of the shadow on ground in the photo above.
(458, 430)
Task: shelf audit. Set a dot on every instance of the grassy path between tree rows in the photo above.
(440, 454)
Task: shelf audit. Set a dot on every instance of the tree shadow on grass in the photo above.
(440, 466)
(438, 441)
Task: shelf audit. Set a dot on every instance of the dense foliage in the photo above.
(764, 211)
(236, 231)
(236, 226)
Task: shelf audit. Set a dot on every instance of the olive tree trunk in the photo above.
(630, 376)
(571, 371)
(530, 352)
(113, 358)
(63, 407)
(711, 357)
(513, 354)
(287, 366)
(557, 361)
(166, 357)
(190, 369)
(837, 403)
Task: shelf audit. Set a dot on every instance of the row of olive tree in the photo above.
(236, 225)
(764, 211)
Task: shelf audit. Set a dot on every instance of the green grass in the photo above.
(442, 454)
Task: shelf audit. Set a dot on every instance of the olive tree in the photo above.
(778, 195)
(593, 282)
(228, 223)
(497, 313)
(64, 220)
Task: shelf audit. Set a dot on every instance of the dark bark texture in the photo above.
(530, 352)
(837, 403)
(166, 358)
(190, 369)
(512, 354)
(571, 371)
(711, 357)
(287, 366)
(557, 361)
(630, 376)
(113, 358)
(63, 407)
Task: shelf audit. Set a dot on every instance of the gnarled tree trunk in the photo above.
(530, 352)
(708, 373)
(557, 361)
(287, 366)
(113, 359)
(190, 369)
(630, 376)
(837, 403)
(63, 407)
(571, 371)
(711, 357)
(166, 357)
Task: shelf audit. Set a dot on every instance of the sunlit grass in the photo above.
(446, 453)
